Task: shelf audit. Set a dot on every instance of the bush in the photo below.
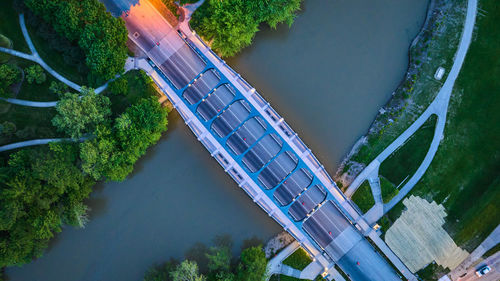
(7, 129)
(9, 75)
(58, 88)
(35, 74)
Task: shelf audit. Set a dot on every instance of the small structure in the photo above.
(439, 73)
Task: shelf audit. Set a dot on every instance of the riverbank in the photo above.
(434, 46)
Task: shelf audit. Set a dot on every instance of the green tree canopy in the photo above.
(35, 74)
(101, 36)
(114, 150)
(186, 271)
(79, 115)
(231, 24)
(41, 187)
(119, 86)
(252, 265)
(9, 74)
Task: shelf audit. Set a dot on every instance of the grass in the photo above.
(31, 122)
(464, 174)
(431, 272)
(9, 26)
(403, 163)
(55, 59)
(363, 197)
(35, 92)
(388, 189)
(298, 259)
(139, 86)
(438, 47)
(492, 251)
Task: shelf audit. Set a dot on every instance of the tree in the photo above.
(58, 88)
(186, 271)
(41, 186)
(252, 265)
(101, 36)
(97, 153)
(9, 75)
(118, 86)
(161, 272)
(79, 115)
(35, 73)
(7, 129)
(232, 24)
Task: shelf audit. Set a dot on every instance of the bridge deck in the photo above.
(255, 146)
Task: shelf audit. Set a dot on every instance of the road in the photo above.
(493, 275)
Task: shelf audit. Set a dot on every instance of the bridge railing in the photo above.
(352, 214)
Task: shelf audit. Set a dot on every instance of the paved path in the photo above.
(35, 57)
(31, 143)
(491, 241)
(439, 107)
(274, 265)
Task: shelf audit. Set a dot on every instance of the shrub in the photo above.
(35, 74)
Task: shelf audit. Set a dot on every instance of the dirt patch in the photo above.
(418, 237)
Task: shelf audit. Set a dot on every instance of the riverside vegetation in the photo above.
(214, 263)
(231, 25)
(42, 188)
(463, 175)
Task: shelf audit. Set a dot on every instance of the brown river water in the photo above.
(327, 75)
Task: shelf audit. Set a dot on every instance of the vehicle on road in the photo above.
(483, 270)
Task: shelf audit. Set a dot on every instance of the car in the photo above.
(483, 270)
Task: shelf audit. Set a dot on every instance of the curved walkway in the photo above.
(35, 57)
(31, 143)
(439, 107)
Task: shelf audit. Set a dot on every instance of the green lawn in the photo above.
(55, 59)
(388, 189)
(464, 175)
(31, 122)
(298, 260)
(439, 48)
(431, 272)
(363, 197)
(403, 163)
(9, 26)
(492, 251)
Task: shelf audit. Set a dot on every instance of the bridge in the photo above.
(255, 146)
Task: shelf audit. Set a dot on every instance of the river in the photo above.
(328, 75)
